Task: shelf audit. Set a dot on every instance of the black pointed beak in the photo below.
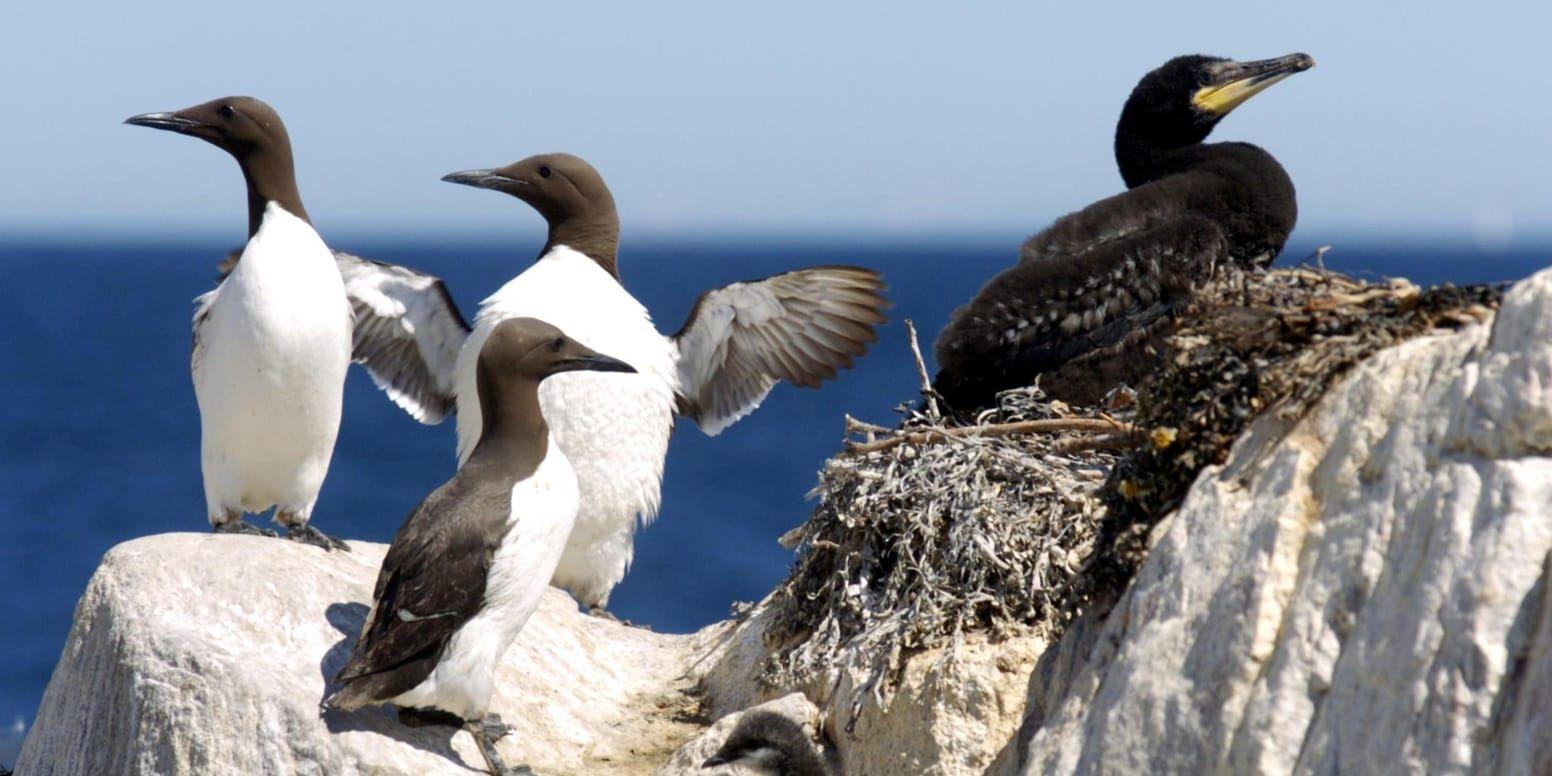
(1263, 69)
(715, 760)
(594, 363)
(170, 121)
(483, 179)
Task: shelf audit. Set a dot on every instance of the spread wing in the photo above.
(432, 581)
(407, 334)
(743, 338)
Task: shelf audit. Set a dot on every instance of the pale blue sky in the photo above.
(792, 117)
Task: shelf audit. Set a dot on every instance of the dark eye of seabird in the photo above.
(557, 343)
(544, 171)
(227, 111)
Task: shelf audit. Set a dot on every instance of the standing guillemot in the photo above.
(768, 743)
(467, 569)
(738, 342)
(1098, 287)
(271, 342)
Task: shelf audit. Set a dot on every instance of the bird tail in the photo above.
(347, 698)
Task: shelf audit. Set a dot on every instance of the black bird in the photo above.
(1096, 289)
(769, 743)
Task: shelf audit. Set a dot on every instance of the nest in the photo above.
(1269, 342)
(1018, 520)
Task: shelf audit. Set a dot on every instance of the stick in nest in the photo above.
(1042, 426)
(921, 372)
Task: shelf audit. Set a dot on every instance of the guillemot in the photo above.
(466, 570)
(738, 342)
(272, 342)
(1094, 292)
(768, 743)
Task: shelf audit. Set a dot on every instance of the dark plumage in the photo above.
(456, 585)
(767, 742)
(1093, 290)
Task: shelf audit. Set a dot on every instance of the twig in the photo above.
(1105, 442)
(921, 372)
(853, 425)
(1042, 426)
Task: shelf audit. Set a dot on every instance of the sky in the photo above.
(1428, 120)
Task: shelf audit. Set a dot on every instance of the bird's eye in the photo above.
(227, 111)
(544, 171)
(557, 343)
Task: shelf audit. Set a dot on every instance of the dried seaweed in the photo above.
(944, 528)
(1265, 342)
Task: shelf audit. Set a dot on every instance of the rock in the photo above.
(196, 653)
(1363, 591)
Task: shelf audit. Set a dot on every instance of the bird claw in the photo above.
(602, 613)
(493, 727)
(306, 534)
(241, 526)
(486, 733)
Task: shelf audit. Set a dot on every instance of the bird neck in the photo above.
(595, 234)
(271, 177)
(510, 414)
(1144, 158)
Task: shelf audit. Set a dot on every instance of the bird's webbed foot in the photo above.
(241, 526)
(306, 534)
(486, 733)
(602, 613)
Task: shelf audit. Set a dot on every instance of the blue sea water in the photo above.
(99, 435)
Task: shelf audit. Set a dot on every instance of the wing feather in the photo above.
(802, 327)
(408, 332)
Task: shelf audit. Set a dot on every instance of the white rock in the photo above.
(203, 653)
(1367, 595)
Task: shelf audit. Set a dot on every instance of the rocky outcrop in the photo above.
(1362, 590)
(199, 653)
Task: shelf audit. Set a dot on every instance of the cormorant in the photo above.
(769, 743)
(1099, 285)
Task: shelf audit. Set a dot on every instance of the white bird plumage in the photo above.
(271, 347)
(614, 428)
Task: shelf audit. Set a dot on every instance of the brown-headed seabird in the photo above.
(467, 569)
(271, 342)
(738, 342)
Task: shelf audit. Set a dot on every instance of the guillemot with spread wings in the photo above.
(740, 340)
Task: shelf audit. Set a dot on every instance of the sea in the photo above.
(99, 432)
